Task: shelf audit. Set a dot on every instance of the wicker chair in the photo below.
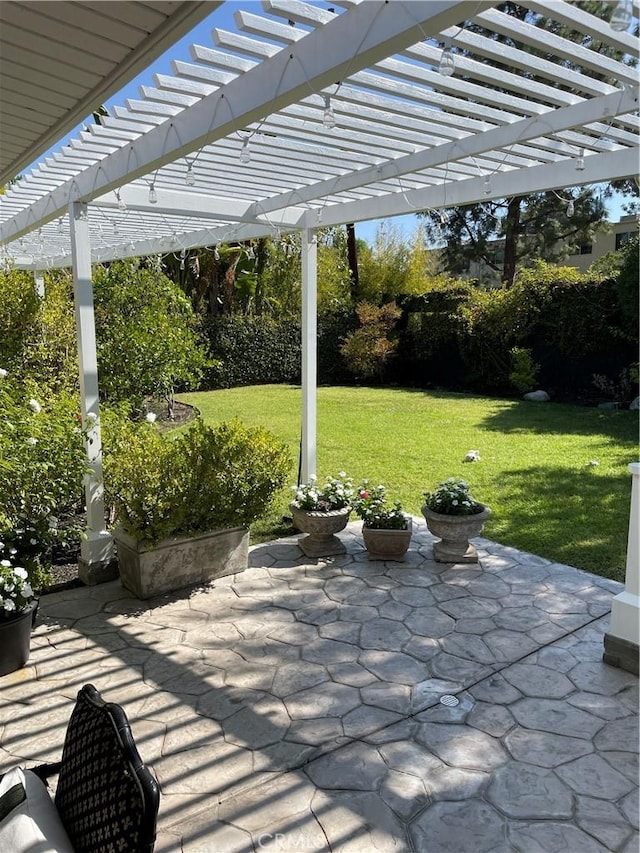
(107, 800)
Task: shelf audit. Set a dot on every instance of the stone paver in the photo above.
(296, 706)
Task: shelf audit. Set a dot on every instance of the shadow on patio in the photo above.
(296, 706)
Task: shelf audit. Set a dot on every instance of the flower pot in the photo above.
(148, 570)
(386, 544)
(15, 638)
(320, 528)
(454, 532)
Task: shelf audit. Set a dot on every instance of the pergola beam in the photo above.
(378, 28)
(609, 166)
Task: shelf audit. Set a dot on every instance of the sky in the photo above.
(223, 18)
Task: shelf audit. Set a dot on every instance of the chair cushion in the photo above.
(32, 824)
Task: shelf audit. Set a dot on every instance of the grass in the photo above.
(534, 473)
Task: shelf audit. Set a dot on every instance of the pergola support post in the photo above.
(309, 343)
(622, 641)
(96, 562)
(38, 280)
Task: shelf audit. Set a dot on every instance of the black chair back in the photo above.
(107, 799)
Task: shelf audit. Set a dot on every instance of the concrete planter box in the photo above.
(148, 570)
(387, 544)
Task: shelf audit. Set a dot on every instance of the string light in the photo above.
(487, 185)
(190, 178)
(245, 153)
(121, 203)
(183, 255)
(621, 16)
(571, 208)
(443, 218)
(216, 253)
(153, 195)
(447, 64)
(329, 119)
(580, 161)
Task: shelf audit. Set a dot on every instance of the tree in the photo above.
(540, 226)
(504, 234)
(147, 334)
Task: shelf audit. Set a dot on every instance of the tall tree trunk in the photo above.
(511, 233)
(352, 257)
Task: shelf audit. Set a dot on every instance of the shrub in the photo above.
(42, 465)
(369, 348)
(208, 478)
(524, 371)
(253, 351)
(147, 334)
(38, 335)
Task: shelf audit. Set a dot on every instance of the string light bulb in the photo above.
(190, 178)
(245, 153)
(571, 209)
(328, 119)
(121, 202)
(153, 195)
(621, 16)
(580, 161)
(447, 64)
(487, 185)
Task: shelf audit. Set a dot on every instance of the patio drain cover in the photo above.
(450, 701)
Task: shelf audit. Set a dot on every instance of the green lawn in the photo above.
(534, 472)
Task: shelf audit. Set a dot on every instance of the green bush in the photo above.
(524, 371)
(42, 465)
(38, 335)
(208, 478)
(147, 334)
(253, 350)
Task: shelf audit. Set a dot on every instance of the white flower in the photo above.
(91, 416)
(27, 590)
(3, 373)
(151, 417)
(20, 572)
(9, 604)
(32, 441)
(35, 406)
(6, 563)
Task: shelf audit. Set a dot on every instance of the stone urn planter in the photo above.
(387, 544)
(321, 529)
(15, 638)
(454, 532)
(148, 570)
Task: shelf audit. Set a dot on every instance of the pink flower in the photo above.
(364, 495)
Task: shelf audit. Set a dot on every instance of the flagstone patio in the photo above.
(356, 706)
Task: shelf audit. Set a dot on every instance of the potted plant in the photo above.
(18, 606)
(184, 504)
(321, 512)
(386, 529)
(455, 516)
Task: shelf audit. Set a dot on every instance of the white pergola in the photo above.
(310, 115)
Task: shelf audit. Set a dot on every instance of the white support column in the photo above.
(623, 638)
(38, 277)
(97, 549)
(309, 352)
